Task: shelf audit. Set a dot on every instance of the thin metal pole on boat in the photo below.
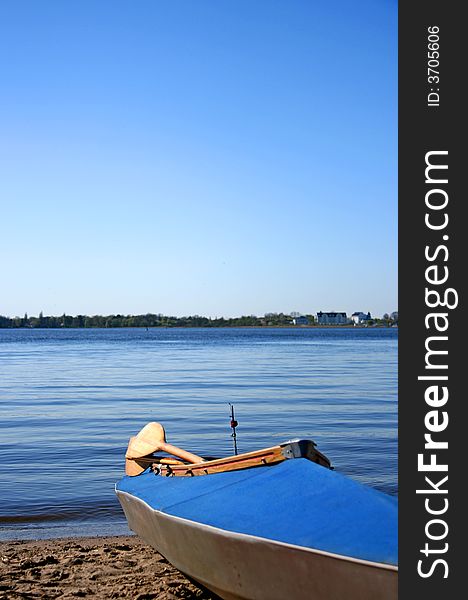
(234, 424)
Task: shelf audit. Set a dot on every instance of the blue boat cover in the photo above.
(295, 501)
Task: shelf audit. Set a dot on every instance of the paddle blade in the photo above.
(147, 441)
(133, 467)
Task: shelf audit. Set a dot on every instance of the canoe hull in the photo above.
(245, 567)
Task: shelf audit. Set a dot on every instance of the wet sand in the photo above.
(105, 567)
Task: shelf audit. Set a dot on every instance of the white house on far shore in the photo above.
(332, 318)
(359, 317)
(300, 320)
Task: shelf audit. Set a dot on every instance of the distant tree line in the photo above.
(159, 320)
(148, 320)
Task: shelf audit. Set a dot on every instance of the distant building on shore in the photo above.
(358, 318)
(300, 320)
(332, 318)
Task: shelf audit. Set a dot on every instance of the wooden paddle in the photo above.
(135, 466)
(152, 438)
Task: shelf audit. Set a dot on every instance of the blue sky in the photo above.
(213, 157)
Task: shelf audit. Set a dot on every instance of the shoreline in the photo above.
(97, 567)
(347, 326)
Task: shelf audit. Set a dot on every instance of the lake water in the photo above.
(70, 399)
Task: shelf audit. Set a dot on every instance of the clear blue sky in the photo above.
(212, 156)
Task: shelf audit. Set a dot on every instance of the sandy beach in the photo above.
(105, 567)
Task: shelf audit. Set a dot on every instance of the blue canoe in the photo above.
(289, 530)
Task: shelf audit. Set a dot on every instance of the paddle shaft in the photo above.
(183, 454)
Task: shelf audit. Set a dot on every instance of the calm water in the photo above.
(70, 399)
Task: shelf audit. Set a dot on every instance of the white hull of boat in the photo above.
(244, 567)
